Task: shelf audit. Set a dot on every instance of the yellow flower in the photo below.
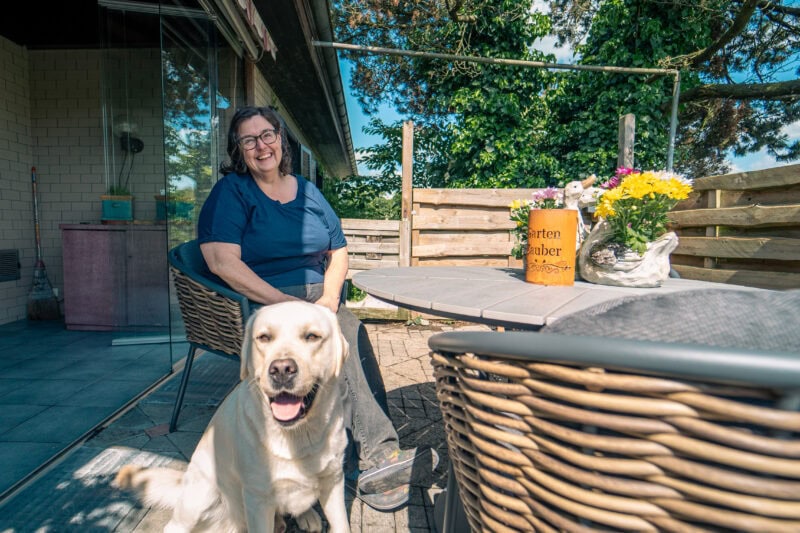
(604, 209)
(636, 209)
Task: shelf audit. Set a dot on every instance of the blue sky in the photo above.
(358, 119)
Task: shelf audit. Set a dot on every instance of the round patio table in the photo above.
(499, 296)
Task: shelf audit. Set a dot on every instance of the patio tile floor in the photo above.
(75, 494)
(57, 385)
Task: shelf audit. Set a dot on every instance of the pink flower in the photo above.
(612, 182)
(624, 171)
(549, 198)
(549, 193)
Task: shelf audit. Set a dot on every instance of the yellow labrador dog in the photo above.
(275, 445)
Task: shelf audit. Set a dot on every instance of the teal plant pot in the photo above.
(117, 208)
(161, 208)
(174, 209)
(180, 210)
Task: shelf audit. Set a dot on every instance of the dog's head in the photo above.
(290, 351)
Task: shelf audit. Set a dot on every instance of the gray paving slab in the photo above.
(35, 368)
(57, 423)
(20, 458)
(9, 385)
(77, 495)
(33, 391)
(108, 392)
(14, 414)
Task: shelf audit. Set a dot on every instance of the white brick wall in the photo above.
(66, 144)
(16, 206)
(51, 118)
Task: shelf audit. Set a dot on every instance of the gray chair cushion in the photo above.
(765, 320)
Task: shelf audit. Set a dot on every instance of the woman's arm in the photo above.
(225, 260)
(338, 263)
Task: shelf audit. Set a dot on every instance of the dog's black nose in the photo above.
(282, 371)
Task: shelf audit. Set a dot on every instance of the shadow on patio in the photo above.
(75, 494)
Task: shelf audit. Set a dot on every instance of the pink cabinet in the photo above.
(115, 276)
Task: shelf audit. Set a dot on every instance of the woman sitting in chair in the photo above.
(273, 237)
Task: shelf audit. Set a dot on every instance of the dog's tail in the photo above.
(157, 487)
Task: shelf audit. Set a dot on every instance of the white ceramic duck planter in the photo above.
(579, 194)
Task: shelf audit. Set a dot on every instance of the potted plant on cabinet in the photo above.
(118, 201)
(117, 205)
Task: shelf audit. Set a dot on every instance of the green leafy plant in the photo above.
(118, 190)
(354, 294)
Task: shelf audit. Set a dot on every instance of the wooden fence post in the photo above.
(627, 132)
(712, 202)
(405, 193)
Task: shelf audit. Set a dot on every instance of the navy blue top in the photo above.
(285, 244)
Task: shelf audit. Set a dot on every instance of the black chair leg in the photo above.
(187, 369)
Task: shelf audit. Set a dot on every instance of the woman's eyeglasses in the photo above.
(267, 137)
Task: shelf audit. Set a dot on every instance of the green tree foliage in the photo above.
(587, 105)
(367, 197)
(500, 126)
(429, 161)
(481, 122)
(737, 60)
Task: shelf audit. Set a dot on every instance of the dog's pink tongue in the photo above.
(286, 407)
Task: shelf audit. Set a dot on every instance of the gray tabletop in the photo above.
(497, 296)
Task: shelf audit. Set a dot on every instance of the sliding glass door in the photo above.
(162, 69)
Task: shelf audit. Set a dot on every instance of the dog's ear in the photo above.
(343, 350)
(247, 367)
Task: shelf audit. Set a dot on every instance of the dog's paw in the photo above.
(280, 523)
(124, 478)
(309, 521)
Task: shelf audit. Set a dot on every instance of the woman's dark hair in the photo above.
(236, 163)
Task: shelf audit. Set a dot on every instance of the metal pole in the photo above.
(406, 188)
(489, 60)
(673, 121)
(676, 87)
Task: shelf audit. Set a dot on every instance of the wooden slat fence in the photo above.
(371, 243)
(741, 228)
(468, 227)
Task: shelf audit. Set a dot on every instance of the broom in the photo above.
(42, 302)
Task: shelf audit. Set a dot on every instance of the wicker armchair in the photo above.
(558, 432)
(214, 316)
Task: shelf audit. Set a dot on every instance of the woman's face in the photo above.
(263, 158)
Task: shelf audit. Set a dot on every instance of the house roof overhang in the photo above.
(307, 80)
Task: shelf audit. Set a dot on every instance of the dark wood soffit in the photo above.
(298, 80)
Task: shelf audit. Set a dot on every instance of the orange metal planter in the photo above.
(551, 246)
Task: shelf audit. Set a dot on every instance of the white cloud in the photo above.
(548, 44)
(761, 159)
